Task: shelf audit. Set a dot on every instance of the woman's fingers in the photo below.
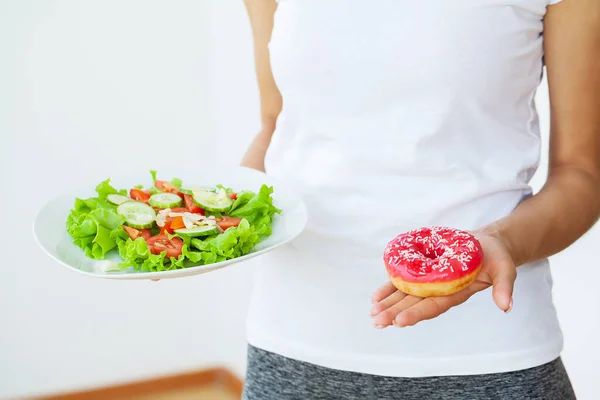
(387, 317)
(388, 302)
(385, 291)
(430, 307)
(402, 310)
(503, 282)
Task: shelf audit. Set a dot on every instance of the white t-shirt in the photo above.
(397, 115)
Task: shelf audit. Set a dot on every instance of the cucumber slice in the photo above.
(165, 200)
(137, 215)
(117, 199)
(213, 201)
(191, 189)
(206, 230)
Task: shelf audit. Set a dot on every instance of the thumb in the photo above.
(503, 282)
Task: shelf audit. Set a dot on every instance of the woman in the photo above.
(392, 115)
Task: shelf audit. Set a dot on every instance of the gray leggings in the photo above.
(274, 377)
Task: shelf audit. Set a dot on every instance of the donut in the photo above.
(435, 261)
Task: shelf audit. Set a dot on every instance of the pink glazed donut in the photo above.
(434, 261)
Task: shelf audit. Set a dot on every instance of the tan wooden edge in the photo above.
(216, 376)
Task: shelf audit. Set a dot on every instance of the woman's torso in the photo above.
(397, 115)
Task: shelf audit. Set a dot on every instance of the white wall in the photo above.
(84, 83)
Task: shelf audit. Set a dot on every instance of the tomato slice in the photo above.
(232, 196)
(191, 205)
(159, 243)
(132, 232)
(226, 222)
(139, 195)
(177, 223)
(166, 229)
(167, 187)
(136, 233)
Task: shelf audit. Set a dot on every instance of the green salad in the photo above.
(170, 226)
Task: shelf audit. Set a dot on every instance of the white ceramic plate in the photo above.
(50, 230)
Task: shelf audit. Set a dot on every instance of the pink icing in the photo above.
(435, 254)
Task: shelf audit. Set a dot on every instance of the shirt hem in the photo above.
(409, 367)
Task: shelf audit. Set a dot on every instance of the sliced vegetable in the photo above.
(232, 196)
(191, 205)
(199, 231)
(117, 199)
(166, 187)
(136, 233)
(165, 200)
(139, 195)
(213, 201)
(226, 222)
(166, 229)
(162, 243)
(191, 189)
(137, 215)
(177, 223)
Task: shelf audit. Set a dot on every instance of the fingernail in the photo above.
(510, 306)
(379, 326)
(374, 311)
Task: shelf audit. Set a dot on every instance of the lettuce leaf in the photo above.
(176, 182)
(92, 221)
(234, 242)
(105, 188)
(256, 208)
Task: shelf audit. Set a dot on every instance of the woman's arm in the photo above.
(568, 204)
(261, 13)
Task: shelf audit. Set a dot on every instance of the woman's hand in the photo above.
(391, 306)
